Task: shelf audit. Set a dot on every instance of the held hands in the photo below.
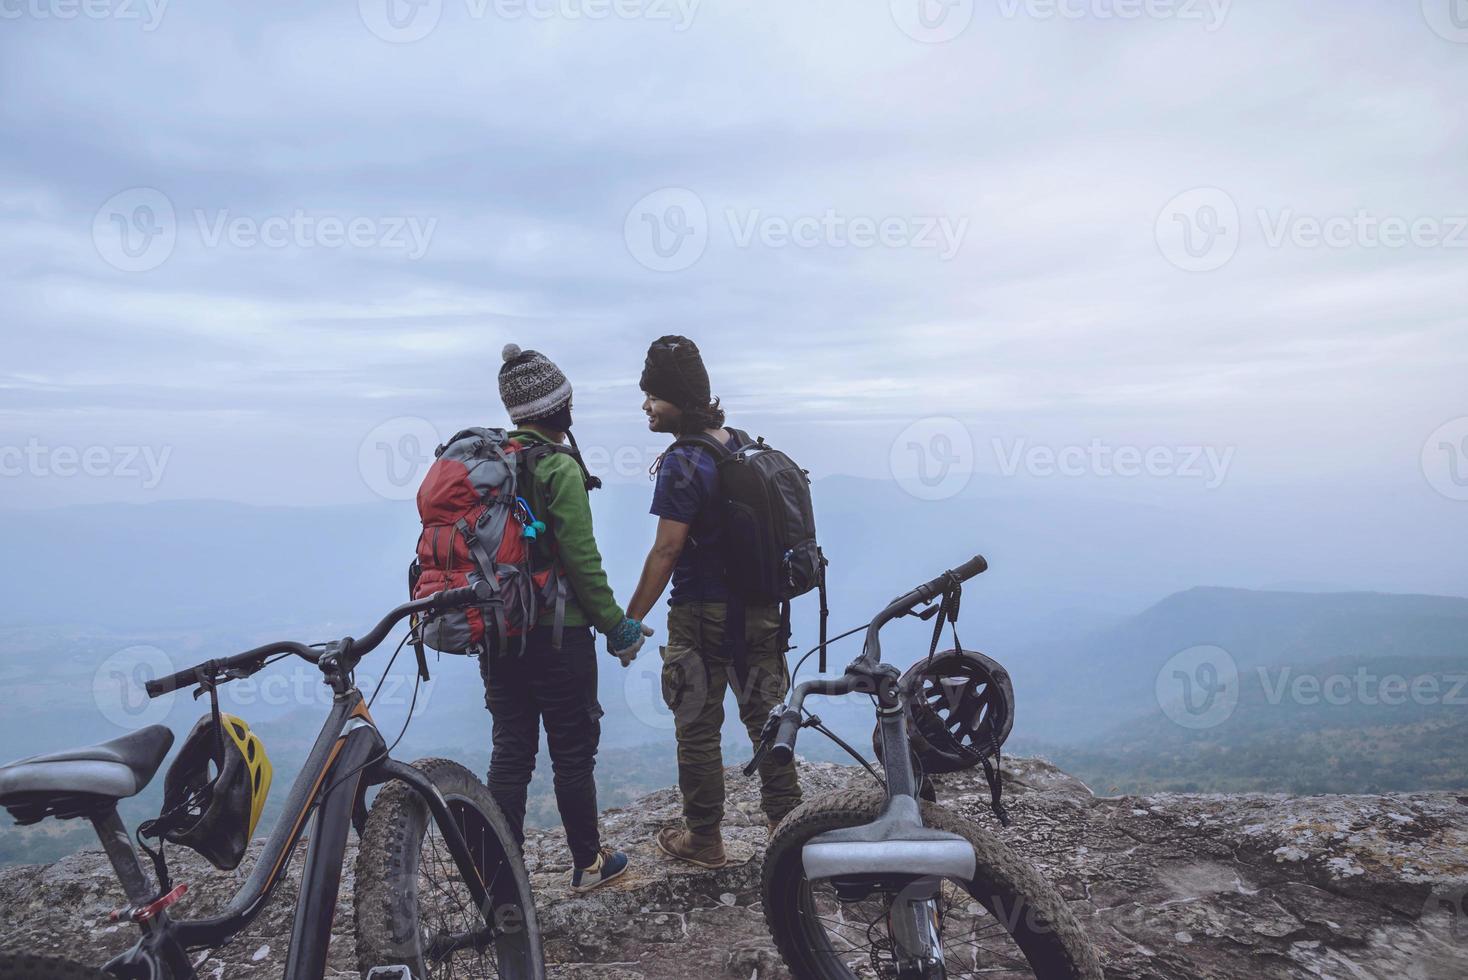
(626, 640)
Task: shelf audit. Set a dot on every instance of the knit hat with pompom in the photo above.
(531, 386)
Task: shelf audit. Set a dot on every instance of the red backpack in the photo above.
(477, 525)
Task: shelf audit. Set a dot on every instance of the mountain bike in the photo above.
(881, 884)
(441, 887)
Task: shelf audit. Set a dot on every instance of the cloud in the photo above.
(519, 143)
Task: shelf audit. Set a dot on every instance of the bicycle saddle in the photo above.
(78, 781)
(894, 843)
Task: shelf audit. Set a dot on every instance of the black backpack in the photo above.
(769, 525)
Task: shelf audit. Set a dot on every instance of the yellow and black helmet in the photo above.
(215, 812)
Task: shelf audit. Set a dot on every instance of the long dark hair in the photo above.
(694, 420)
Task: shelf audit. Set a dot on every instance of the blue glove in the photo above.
(626, 640)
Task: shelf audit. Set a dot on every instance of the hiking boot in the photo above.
(609, 864)
(703, 850)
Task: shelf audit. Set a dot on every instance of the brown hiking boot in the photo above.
(703, 850)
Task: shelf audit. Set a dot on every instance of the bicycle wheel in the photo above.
(413, 908)
(28, 966)
(1006, 922)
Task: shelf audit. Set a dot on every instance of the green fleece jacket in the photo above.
(558, 497)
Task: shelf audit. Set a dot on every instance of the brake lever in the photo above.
(759, 756)
(772, 724)
(926, 614)
(226, 675)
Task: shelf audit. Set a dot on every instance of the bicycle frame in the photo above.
(894, 851)
(333, 781)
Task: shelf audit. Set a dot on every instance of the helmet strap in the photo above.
(160, 863)
(947, 613)
(213, 689)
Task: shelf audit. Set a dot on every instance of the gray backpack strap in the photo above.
(485, 561)
(555, 592)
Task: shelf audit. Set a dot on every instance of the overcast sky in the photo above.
(250, 248)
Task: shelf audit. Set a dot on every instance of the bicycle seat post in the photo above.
(119, 848)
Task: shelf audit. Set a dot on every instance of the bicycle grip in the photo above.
(783, 751)
(160, 686)
(477, 591)
(974, 566)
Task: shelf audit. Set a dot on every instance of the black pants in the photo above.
(558, 687)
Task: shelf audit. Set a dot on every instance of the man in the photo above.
(543, 684)
(702, 659)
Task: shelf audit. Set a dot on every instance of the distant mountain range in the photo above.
(1233, 690)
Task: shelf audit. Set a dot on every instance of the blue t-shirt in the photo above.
(688, 491)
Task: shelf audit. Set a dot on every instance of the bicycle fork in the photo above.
(917, 940)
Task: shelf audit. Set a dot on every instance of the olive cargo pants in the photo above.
(697, 671)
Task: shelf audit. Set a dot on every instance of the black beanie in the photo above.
(675, 373)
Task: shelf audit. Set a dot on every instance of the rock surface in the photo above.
(1168, 886)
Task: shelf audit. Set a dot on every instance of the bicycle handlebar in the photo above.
(872, 652)
(252, 660)
(782, 749)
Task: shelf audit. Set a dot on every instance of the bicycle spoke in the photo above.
(459, 939)
(975, 944)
